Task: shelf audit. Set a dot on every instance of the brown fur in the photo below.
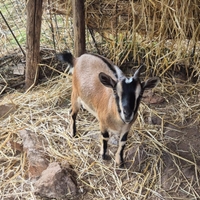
(87, 86)
(100, 100)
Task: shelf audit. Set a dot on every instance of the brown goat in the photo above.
(102, 88)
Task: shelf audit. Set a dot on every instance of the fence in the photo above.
(13, 30)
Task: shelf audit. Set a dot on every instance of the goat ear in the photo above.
(106, 80)
(150, 83)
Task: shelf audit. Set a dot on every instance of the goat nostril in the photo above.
(127, 113)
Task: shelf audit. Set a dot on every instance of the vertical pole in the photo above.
(79, 27)
(33, 30)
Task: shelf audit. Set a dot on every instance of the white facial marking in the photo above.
(128, 80)
(119, 89)
(137, 91)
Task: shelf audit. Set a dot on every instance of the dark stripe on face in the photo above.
(128, 95)
(118, 106)
(124, 138)
(110, 66)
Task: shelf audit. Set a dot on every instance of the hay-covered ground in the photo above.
(162, 153)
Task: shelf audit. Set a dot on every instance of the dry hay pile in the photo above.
(157, 166)
(166, 19)
(160, 33)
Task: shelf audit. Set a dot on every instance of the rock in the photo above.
(35, 153)
(55, 182)
(6, 109)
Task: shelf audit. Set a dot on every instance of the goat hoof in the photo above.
(106, 157)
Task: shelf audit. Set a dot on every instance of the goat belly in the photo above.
(88, 108)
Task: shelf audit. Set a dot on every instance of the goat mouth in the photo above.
(127, 121)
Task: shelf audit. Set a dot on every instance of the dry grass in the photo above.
(165, 19)
(45, 111)
(162, 34)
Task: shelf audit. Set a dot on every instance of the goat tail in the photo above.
(66, 57)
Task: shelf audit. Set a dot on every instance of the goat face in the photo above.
(127, 94)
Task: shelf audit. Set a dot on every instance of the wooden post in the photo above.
(33, 30)
(79, 27)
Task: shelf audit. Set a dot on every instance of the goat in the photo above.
(102, 89)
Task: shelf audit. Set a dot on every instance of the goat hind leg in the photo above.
(74, 111)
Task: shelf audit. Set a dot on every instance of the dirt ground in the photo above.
(181, 132)
(162, 153)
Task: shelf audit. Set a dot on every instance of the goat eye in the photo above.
(115, 92)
